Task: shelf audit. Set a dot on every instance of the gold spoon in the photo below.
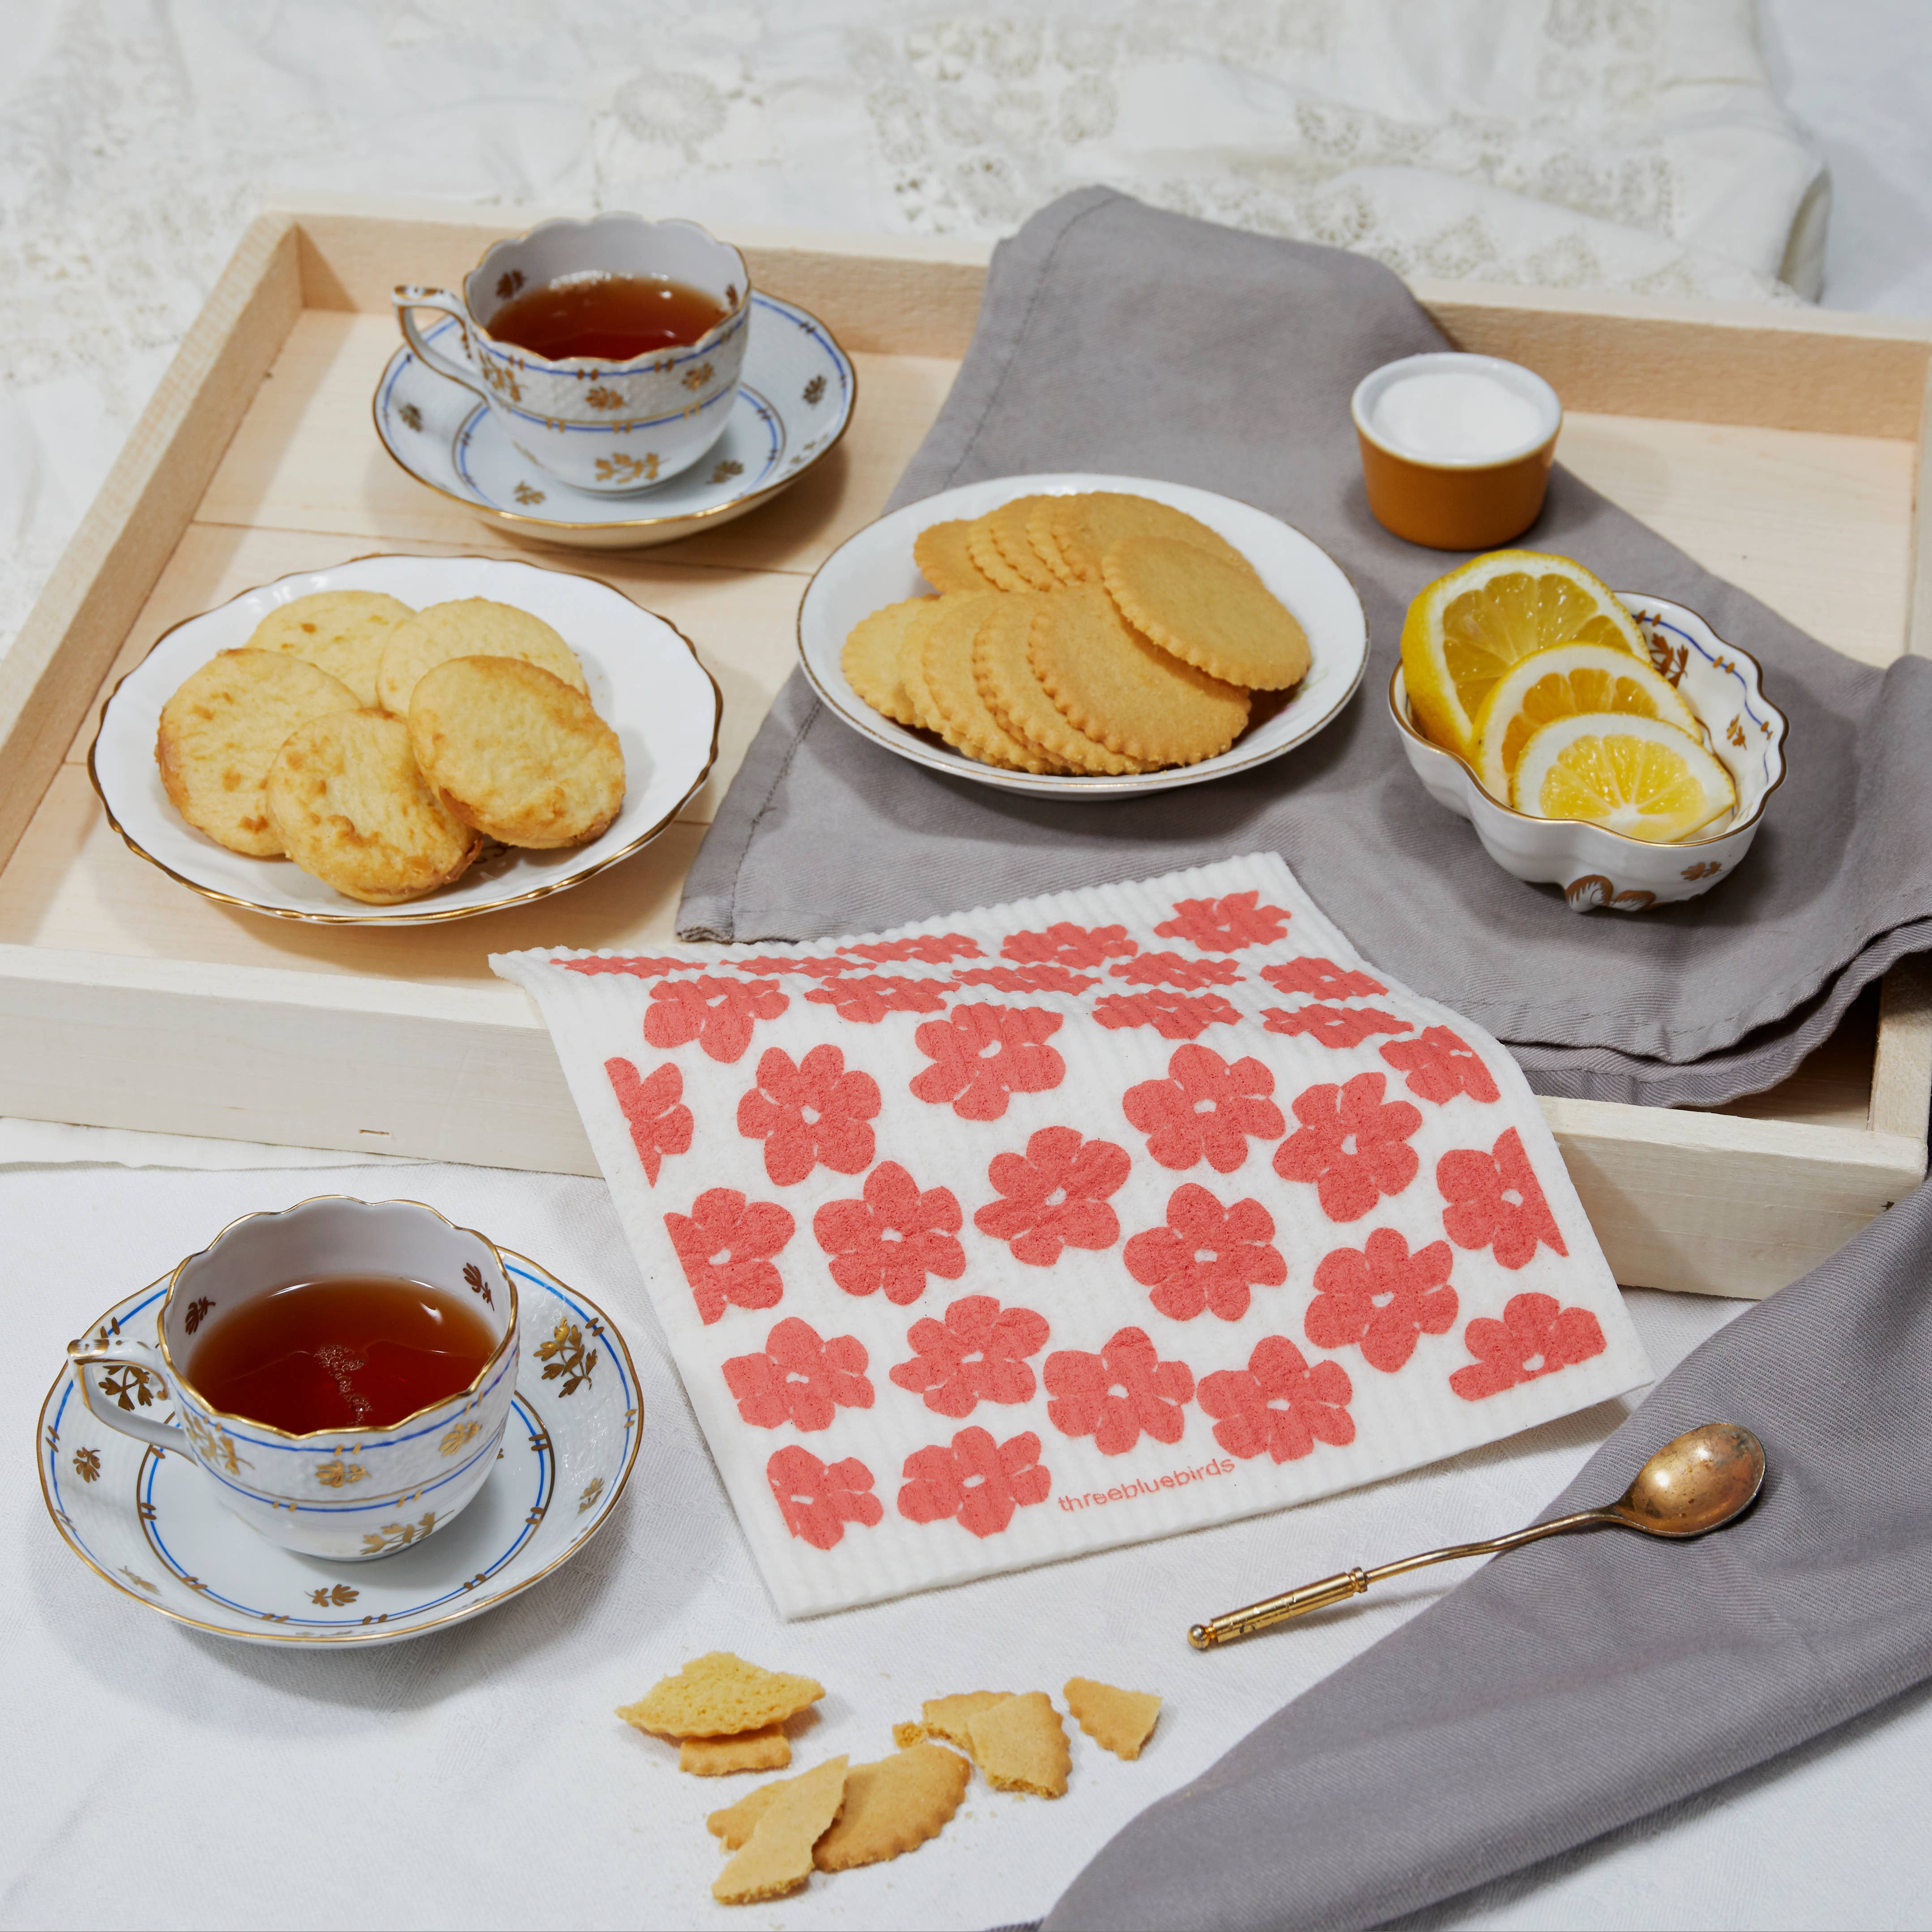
(1698, 1483)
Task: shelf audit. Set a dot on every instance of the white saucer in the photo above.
(875, 568)
(148, 1521)
(645, 680)
(794, 400)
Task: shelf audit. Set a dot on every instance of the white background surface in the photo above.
(156, 1776)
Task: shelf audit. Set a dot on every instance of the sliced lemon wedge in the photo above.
(1466, 629)
(1639, 776)
(1560, 682)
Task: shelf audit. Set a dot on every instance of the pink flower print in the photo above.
(1496, 1201)
(930, 949)
(1207, 1256)
(867, 1000)
(1206, 1106)
(1173, 1015)
(816, 969)
(1176, 969)
(1116, 1396)
(635, 967)
(1279, 1404)
(1055, 1196)
(1440, 1065)
(1322, 977)
(1226, 925)
(974, 1481)
(1381, 1296)
(799, 1378)
(1067, 944)
(659, 1122)
(718, 1014)
(981, 1055)
(810, 1113)
(1535, 1337)
(818, 1499)
(978, 1354)
(1352, 1144)
(725, 1246)
(894, 1238)
(1045, 979)
(1334, 1026)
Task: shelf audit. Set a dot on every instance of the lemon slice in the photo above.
(1639, 776)
(1467, 629)
(1559, 682)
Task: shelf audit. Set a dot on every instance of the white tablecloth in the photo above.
(158, 1777)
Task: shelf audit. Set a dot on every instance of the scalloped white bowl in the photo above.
(1594, 867)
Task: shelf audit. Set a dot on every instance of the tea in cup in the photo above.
(610, 349)
(328, 1367)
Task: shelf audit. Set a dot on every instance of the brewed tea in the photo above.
(606, 318)
(349, 1352)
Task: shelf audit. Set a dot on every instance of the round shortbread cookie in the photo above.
(1017, 698)
(219, 732)
(870, 659)
(1121, 687)
(469, 627)
(1084, 527)
(987, 557)
(515, 752)
(355, 812)
(912, 661)
(1226, 622)
(1007, 525)
(1039, 535)
(965, 721)
(939, 551)
(343, 632)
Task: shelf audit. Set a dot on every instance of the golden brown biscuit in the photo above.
(469, 627)
(1017, 698)
(516, 752)
(343, 632)
(987, 557)
(959, 712)
(1121, 687)
(1084, 526)
(871, 659)
(718, 1695)
(893, 1806)
(1008, 526)
(1039, 535)
(939, 550)
(912, 663)
(1226, 622)
(949, 1717)
(353, 811)
(766, 1750)
(1020, 1745)
(1121, 1721)
(219, 732)
(777, 1857)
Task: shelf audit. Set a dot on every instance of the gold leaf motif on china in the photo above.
(814, 391)
(458, 1435)
(333, 1474)
(1707, 868)
(397, 1536)
(508, 284)
(623, 469)
(197, 1313)
(212, 1444)
(1735, 731)
(568, 1356)
(87, 1465)
(695, 380)
(412, 416)
(604, 398)
(592, 1490)
(127, 1383)
(333, 1599)
(151, 1588)
(726, 470)
(527, 492)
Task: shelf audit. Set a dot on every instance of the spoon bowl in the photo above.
(1698, 1483)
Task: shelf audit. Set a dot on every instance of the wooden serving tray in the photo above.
(1783, 448)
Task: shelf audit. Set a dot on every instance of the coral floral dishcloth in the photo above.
(1072, 1222)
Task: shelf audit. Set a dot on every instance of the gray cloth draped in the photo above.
(1568, 1688)
(1117, 338)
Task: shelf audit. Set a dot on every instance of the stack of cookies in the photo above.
(381, 748)
(1098, 634)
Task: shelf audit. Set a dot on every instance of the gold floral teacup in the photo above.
(338, 1492)
(611, 427)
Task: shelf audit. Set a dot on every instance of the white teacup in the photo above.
(609, 427)
(347, 1494)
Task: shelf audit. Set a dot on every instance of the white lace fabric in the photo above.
(1620, 144)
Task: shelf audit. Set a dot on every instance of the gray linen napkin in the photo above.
(1115, 338)
(1571, 1687)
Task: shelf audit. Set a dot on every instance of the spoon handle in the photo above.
(1232, 1625)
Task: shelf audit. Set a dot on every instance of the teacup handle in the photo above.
(411, 296)
(142, 1383)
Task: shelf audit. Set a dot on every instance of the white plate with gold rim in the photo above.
(645, 680)
(149, 1522)
(875, 568)
(794, 401)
